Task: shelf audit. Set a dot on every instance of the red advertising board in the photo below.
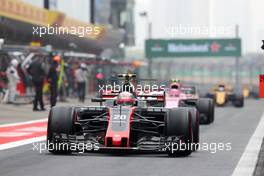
(261, 86)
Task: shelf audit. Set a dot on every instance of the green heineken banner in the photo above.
(193, 48)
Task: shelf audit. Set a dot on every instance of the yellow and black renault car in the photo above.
(224, 94)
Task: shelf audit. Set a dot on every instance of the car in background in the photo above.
(246, 91)
(224, 94)
(250, 91)
(178, 95)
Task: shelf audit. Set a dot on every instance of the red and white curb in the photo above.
(22, 133)
(249, 159)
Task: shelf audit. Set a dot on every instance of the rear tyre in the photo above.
(212, 109)
(61, 120)
(179, 123)
(205, 107)
(238, 101)
(195, 127)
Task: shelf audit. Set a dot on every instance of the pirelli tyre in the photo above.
(205, 106)
(178, 122)
(60, 126)
(238, 101)
(212, 110)
(195, 127)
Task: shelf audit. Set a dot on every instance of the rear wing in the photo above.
(127, 76)
(188, 89)
(147, 97)
(144, 97)
(108, 94)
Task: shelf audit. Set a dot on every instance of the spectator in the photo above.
(53, 80)
(13, 79)
(37, 72)
(81, 76)
(70, 80)
(61, 81)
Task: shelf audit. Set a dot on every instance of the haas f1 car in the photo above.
(125, 123)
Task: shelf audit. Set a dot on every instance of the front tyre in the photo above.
(205, 106)
(211, 111)
(195, 127)
(60, 123)
(179, 123)
(239, 101)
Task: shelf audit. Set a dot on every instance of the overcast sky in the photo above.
(171, 15)
(167, 15)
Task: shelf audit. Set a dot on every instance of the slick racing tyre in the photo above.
(211, 110)
(205, 106)
(179, 123)
(195, 127)
(60, 123)
(238, 101)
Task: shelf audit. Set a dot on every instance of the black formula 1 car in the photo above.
(123, 124)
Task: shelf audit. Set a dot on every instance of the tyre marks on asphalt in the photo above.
(17, 134)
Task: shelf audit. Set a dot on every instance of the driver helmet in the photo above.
(175, 86)
(221, 88)
(125, 98)
(175, 89)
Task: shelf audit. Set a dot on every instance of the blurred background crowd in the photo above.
(31, 74)
(72, 67)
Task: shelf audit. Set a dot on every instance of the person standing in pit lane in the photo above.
(81, 78)
(37, 72)
(13, 79)
(53, 77)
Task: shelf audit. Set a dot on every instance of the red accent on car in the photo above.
(118, 138)
(125, 100)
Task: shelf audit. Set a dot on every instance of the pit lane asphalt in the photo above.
(231, 124)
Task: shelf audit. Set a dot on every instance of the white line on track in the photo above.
(25, 141)
(21, 142)
(248, 160)
(24, 123)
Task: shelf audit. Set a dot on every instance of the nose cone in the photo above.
(174, 92)
(116, 140)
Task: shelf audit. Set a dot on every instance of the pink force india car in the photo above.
(178, 95)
